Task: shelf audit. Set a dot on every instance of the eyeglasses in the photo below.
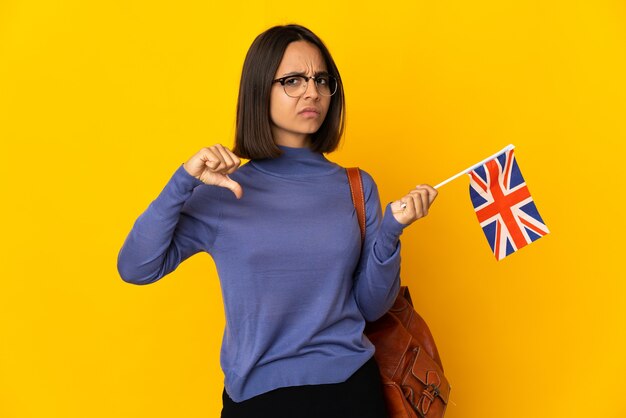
(296, 85)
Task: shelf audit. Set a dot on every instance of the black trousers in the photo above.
(360, 396)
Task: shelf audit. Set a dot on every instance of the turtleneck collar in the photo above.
(297, 162)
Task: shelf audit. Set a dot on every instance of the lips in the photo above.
(309, 109)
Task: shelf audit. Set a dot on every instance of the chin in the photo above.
(311, 129)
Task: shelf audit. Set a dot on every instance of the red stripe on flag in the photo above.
(532, 227)
(479, 181)
(496, 244)
(502, 204)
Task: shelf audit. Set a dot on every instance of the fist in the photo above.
(212, 166)
(414, 205)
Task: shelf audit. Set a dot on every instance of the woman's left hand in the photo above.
(414, 205)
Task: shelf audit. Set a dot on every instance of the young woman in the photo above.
(296, 283)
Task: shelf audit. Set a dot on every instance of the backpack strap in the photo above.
(358, 198)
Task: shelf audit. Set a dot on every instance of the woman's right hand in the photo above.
(212, 166)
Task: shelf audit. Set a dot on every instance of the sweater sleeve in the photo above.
(165, 234)
(377, 278)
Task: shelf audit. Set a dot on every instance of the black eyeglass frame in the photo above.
(306, 80)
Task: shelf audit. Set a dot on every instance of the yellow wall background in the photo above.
(101, 101)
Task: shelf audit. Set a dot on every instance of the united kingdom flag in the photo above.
(504, 206)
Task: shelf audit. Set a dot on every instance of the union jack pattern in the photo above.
(504, 207)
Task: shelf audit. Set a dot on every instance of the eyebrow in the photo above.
(317, 73)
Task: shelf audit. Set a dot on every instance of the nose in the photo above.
(311, 90)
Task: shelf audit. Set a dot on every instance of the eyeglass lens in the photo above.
(296, 86)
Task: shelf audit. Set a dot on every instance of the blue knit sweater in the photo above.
(296, 286)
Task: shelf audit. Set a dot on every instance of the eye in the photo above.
(293, 81)
(322, 80)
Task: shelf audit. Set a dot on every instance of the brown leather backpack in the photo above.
(409, 363)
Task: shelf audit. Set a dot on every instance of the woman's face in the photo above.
(293, 119)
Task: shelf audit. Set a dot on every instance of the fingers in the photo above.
(399, 206)
(220, 159)
(233, 186)
(212, 165)
(414, 205)
(420, 202)
(404, 209)
(431, 192)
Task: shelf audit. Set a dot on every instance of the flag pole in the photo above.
(467, 170)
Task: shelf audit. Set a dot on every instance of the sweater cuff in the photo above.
(177, 190)
(390, 225)
(388, 236)
(185, 178)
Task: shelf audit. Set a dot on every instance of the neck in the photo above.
(292, 140)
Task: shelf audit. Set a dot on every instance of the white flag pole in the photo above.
(505, 149)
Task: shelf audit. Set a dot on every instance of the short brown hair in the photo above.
(253, 139)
